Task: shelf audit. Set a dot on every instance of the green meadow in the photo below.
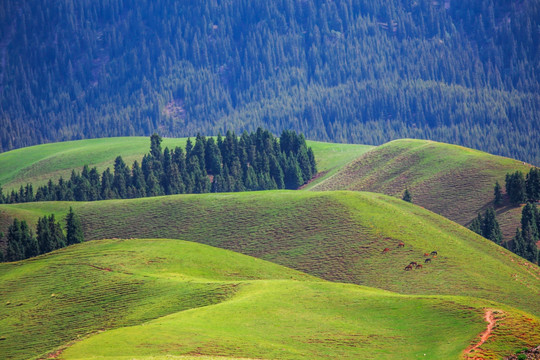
(151, 299)
(338, 236)
(273, 274)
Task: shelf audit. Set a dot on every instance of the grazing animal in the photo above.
(386, 250)
(426, 254)
(408, 267)
(434, 253)
(419, 266)
(413, 263)
(400, 245)
(428, 260)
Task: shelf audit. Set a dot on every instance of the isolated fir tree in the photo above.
(497, 194)
(73, 228)
(407, 196)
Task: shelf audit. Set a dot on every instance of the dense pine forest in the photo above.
(251, 162)
(362, 71)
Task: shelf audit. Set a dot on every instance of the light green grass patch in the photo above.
(37, 164)
(331, 157)
(55, 298)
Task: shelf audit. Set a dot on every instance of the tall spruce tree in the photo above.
(74, 228)
(518, 244)
(477, 224)
(497, 194)
(155, 146)
(533, 184)
(515, 187)
(529, 216)
(15, 250)
(530, 250)
(491, 229)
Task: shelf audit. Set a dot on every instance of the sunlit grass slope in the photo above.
(55, 298)
(151, 299)
(302, 320)
(38, 164)
(338, 236)
(453, 181)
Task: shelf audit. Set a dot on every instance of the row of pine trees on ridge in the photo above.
(49, 236)
(253, 161)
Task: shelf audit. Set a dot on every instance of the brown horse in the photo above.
(386, 250)
(408, 267)
(428, 260)
(419, 266)
(400, 245)
(413, 263)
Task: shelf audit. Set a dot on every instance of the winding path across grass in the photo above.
(485, 335)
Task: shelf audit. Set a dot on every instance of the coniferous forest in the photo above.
(251, 162)
(363, 71)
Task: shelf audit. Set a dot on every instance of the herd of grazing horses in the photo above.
(413, 264)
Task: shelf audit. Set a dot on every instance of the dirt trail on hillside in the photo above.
(484, 336)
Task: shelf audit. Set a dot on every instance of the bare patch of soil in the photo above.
(484, 336)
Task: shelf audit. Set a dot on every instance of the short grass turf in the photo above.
(158, 299)
(338, 236)
(55, 298)
(37, 164)
(451, 180)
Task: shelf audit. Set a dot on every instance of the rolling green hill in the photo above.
(450, 180)
(157, 299)
(337, 236)
(38, 164)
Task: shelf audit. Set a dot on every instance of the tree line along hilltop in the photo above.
(255, 161)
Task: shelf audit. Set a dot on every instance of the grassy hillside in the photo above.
(334, 235)
(38, 164)
(450, 180)
(152, 299)
(49, 300)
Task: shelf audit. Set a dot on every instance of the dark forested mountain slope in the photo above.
(365, 71)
